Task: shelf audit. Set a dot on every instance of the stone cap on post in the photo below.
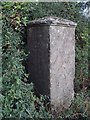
(52, 21)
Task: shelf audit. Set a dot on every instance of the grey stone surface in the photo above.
(52, 21)
(51, 64)
(62, 65)
(38, 61)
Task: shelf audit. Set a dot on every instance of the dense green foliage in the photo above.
(19, 99)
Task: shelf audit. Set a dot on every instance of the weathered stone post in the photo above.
(51, 42)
